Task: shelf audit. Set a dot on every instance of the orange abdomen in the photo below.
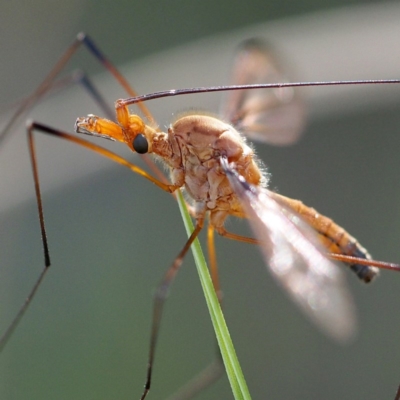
(334, 238)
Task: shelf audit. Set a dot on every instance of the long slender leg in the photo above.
(30, 101)
(347, 259)
(80, 77)
(159, 301)
(215, 370)
(92, 47)
(48, 81)
(35, 126)
(77, 77)
(106, 153)
(162, 290)
(362, 261)
(49, 86)
(21, 312)
(229, 235)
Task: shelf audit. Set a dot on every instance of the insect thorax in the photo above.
(198, 142)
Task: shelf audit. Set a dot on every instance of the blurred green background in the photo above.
(112, 235)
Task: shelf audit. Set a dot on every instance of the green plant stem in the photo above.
(232, 366)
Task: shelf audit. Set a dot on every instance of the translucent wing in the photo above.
(290, 248)
(275, 116)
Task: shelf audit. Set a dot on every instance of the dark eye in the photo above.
(140, 144)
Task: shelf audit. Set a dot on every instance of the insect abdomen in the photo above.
(334, 238)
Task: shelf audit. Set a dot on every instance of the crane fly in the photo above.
(209, 157)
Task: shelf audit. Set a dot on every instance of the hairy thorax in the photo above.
(197, 142)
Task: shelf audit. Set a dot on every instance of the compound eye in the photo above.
(140, 144)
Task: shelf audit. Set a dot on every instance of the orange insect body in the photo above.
(192, 149)
(334, 238)
(219, 171)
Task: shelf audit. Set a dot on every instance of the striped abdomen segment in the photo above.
(334, 238)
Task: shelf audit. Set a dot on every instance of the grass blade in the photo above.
(232, 366)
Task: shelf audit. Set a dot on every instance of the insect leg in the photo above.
(364, 266)
(363, 261)
(34, 126)
(48, 81)
(77, 77)
(159, 301)
(92, 47)
(100, 150)
(229, 235)
(212, 372)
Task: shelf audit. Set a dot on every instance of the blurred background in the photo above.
(112, 235)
